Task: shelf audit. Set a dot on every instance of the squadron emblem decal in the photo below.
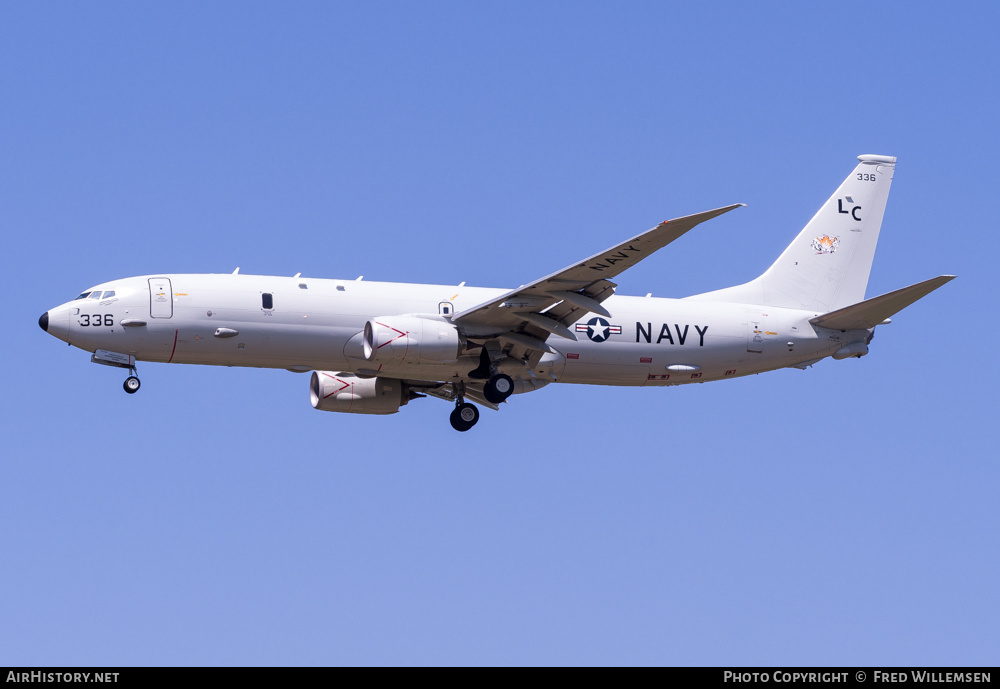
(825, 244)
(598, 329)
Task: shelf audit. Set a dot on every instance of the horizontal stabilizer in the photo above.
(870, 312)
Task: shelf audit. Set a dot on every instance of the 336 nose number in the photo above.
(96, 319)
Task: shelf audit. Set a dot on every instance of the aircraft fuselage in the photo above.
(306, 324)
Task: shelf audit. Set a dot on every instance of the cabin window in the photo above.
(445, 308)
(267, 300)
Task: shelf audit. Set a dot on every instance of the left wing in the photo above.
(526, 316)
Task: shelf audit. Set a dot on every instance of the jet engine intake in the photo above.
(411, 340)
(347, 393)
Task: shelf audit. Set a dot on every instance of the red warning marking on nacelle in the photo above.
(345, 385)
(401, 334)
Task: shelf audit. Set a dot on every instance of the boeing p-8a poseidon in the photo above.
(374, 346)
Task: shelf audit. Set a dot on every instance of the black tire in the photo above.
(131, 385)
(498, 388)
(464, 417)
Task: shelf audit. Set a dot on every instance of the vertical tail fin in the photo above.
(828, 264)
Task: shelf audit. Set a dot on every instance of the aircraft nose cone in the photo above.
(43, 322)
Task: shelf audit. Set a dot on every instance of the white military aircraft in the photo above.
(374, 346)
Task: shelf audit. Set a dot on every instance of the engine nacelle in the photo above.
(345, 392)
(858, 349)
(411, 340)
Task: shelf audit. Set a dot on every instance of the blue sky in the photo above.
(843, 515)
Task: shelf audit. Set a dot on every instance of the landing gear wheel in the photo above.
(498, 388)
(464, 416)
(131, 385)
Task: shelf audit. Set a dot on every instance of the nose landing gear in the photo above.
(131, 385)
(119, 360)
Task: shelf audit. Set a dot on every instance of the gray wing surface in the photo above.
(526, 316)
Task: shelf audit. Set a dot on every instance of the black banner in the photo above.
(736, 675)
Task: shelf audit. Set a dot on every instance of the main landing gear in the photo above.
(498, 386)
(464, 416)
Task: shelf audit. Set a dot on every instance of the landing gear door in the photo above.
(161, 299)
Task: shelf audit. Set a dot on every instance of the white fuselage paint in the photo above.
(315, 324)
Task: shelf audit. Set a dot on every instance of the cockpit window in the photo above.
(107, 294)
